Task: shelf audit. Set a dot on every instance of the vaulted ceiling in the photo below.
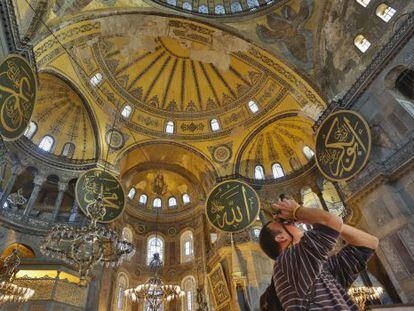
(189, 73)
(62, 113)
(170, 68)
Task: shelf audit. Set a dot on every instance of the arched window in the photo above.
(157, 203)
(68, 150)
(405, 83)
(131, 193)
(213, 237)
(96, 79)
(143, 199)
(253, 106)
(364, 3)
(277, 171)
(256, 232)
(215, 126)
(30, 130)
(253, 4)
(219, 9)
(385, 12)
(126, 111)
(362, 43)
(203, 9)
(172, 202)
(169, 128)
(236, 7)
(149, 307)
(308, 152)
(127, 235)
(310, 198)
(122, 285)
(187, 246)
(188, 285)
(186, 198)
(155, 245)
(187, 6)
(332, 198)
(46, 143)
(259, 172)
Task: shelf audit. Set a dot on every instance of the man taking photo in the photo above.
(306, 276)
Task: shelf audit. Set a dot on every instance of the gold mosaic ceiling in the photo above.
(173, 69)
(178, 70)
(61, 113)
(280, 141)
(170, 80)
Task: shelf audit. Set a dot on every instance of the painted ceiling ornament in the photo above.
(343, 145)
(62, 7)
(97, 182)
(159, 186)
(287, 28)
(232, 206)
(18, 89)
(115, 139)
(222, 153)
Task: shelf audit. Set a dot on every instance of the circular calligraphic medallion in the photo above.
(17, 96)
(343, 145)
(95, 182)
(232, 206)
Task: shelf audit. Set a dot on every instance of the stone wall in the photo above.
(383, 192)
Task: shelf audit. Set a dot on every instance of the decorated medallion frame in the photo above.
(18, 85)
(248, 195)
(116, 199)
(219, 286)
(352, 135)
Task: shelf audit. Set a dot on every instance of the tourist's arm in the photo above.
(353, 258)
(358, 237)
(307, 215)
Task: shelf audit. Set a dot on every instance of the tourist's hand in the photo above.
(284, 209)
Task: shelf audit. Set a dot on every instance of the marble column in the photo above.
(3, 164)
(38, 182)
(62, 187)
(16, 171)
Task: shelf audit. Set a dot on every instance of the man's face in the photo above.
(282, 236)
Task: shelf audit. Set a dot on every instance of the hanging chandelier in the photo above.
(154, 292)
(363, 294)
(87, 246)
(10, 292)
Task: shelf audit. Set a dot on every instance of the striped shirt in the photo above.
(307, 263)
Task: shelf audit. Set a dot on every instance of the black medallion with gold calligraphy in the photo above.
(95, 182)
(343, 145)
(17, 96)
(232, 206)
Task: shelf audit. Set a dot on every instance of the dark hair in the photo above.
(267, 242)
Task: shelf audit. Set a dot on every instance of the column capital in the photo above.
(39, 180)
(17, 169)
(62, 186)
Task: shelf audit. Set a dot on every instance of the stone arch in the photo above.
(61, 100)
(24, 250)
